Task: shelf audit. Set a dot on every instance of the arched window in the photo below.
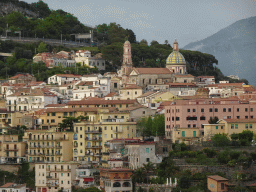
(116, 184)
(126, 184)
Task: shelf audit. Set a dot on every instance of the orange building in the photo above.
(216, 183)
(116, 179)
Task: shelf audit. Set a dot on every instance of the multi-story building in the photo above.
(49, 145)
(61, 79)
(8, 187)
(91, 137)
(11, 150)
(53, 177)
(194, 113)
(120, 104)
(26, 99)
(130, 92)
(205, 80)
(116, 179)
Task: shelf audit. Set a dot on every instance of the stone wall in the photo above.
(13, 168)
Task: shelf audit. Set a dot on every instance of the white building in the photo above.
(13, 187)
(84, 57)
(205, 80)
(26, 99)
(52, 177)
(85, 176)
(60, 79)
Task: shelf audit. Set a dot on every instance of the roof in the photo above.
(68, 75)
(184, 76)
(20, 75)
(84, 83)
(132, 86)
(181, 84)
(221, 85)
(147, 94)
(101, 102)
(56, 105)
(217, 178)
(205, 77)
(7, 185)
(240, 120)
(85, 109)
(111, 94)
(33, 92)
(12, 185)
(152, 71)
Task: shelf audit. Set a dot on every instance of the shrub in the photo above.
(209, 152)
(223, 157)
(234, 155)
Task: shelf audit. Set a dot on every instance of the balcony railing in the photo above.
(93, 131)
(10, 149)
(118, 131)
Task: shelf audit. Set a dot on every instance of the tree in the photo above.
(42, 47)
(245, 137)
(68, 122)
(223, 157)
(184, 182)
(139, 175)
(149, 167)
(158, 125)
(166, 168)
(144, 42)
(221, 140)
(42, 8)
(213, 120)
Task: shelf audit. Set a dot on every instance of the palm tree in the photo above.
(149, 167)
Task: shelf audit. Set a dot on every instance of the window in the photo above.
(224, 110)
(222, 186)
(246, 126)
(202, 118)
(183, 133)
(202, 110)
(52, 120)
(177, 118)
(148, 159)
(216, 109)
(210, 110)
(221, 127)
(81, 136)
(147, 150)
(81, 128)
(236, 126)
(251, 109)
(53, 114)
(238, 117)
(217, 127)
(246, 117)
(232, 126)
(251, 117)
(237, 109)
(105, 128)
(194, 110)
(229, 109)
(105, 135)
(250, 126)
(189, 125)
(246, 109)
(115, 85)
(194, 125)
(111, 135)
(188, 110)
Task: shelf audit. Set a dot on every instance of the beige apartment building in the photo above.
(91, 137)
(49, 145)
(11, 150)
(52, 177)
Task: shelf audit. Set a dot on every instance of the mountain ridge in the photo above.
(234, 48)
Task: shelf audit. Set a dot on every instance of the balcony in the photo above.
(52, 185)
(58, 147)
(93, 131)
(48, 177)
(97, 147)
(12, 149)
(118, 131)
(97, 139)
(105, 153)
(98, 154)
(58, 154)
(107, 145)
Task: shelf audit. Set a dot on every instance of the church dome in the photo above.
(175, 58)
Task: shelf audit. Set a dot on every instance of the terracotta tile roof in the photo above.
(101, 102)
(55, 105)
(152, 71)
(222, 85)
(184, 76)
(5, 84)
(132, 86)
(7, 185)
(240, 120)
(131, 108)
(20, 75)
(68, 75)
(217, 178)
(111, 94)
(85, 109)
(33, 92)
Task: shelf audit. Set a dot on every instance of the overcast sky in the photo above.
(186, 20)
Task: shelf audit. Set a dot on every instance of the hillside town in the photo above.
(101, 130)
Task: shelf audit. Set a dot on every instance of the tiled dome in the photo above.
(175, 58)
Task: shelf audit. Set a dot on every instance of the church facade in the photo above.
(175, 64)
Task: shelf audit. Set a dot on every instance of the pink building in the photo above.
(195, 113)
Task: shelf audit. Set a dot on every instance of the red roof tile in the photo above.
(152, 71)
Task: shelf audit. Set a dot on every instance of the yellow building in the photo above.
(51, 117)
(130, 92)
(229, 126)
(49, 145)
(11, 150)
(91, 138)
(186, 135)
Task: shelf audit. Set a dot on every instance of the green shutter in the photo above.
(183, 133)
(194, 133)
(217, 127)
(236, 126)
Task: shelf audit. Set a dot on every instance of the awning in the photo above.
(88, 179)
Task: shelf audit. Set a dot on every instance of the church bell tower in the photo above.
(127, 62)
